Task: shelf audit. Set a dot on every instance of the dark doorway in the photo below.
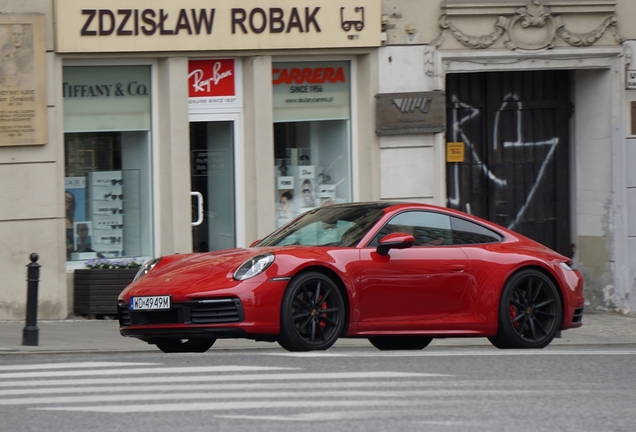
(515, 130)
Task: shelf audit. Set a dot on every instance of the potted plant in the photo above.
(97, 287)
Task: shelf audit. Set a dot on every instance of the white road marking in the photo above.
(471, 353)
(140, 371)
(73, 365)
(222, 406)
(253, 386)
(219, 378)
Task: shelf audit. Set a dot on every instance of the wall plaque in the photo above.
(22, 81)
(410, 113)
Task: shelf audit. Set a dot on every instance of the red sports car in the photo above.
(399, 274)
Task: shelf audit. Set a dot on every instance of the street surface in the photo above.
(445, 388)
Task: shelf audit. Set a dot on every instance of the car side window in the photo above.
(427, 228)
(466, 232)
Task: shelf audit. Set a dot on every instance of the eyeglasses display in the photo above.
(311, 166)
(108, 205)
(114, 196)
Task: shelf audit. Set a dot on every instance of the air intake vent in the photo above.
(217, 311)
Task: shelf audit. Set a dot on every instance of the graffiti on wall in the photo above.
(461, 115)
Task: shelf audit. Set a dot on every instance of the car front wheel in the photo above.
(312, 313)
(529, 312)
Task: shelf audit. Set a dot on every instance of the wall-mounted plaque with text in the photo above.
(22, 80)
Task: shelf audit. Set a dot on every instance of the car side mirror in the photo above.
(255, 242)
(394, 241)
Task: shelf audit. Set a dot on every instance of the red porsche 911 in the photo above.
(398, 274)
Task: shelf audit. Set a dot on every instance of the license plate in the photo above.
(150, 303)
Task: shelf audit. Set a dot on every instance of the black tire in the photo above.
(312, 313)
(169, 345)
(391, 343)
(530, 312)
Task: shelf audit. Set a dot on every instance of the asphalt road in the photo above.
(480, 388)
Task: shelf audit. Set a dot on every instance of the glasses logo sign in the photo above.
(348, 24)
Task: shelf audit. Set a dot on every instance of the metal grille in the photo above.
(216, 311)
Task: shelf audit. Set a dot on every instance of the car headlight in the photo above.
(565, 266)
(254, 266)
(147, 267)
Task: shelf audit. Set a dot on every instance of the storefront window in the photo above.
(107, 162)
(312, 142)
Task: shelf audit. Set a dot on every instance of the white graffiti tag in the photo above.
(459, 135)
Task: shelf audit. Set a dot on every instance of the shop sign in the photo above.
(106, 98)
(23, 118)
(311, 91)
(410, 113)
(213, 83)
(115, 26)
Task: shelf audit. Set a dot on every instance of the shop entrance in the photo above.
(515, 130)
(213, 187)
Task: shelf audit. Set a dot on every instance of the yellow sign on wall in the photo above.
(454, 152)
(204, 25)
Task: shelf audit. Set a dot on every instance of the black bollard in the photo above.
(31, 333)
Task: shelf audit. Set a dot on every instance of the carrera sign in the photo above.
(212, 83)
(311, 91)
(317, 75)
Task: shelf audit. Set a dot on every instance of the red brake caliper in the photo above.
(323, 306)
(513, 314)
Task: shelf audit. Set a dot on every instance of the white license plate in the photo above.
(150, 303)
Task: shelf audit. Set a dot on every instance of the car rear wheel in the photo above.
(390, 343)
(185, 345)
(312, 313)
(529, 312)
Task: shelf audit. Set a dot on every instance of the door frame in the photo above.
(239, 166)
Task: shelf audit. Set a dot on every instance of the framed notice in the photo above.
(22, 89)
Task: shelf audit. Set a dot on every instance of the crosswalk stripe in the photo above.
(139, 371)
(222, 406)
(220, 378)
(315, 395)
(73, 365)
(251, 386)
(462, 353)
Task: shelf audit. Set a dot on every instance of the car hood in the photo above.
(198, 269)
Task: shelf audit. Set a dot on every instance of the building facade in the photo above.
(170, 128)
(138, 130)
(539, 100)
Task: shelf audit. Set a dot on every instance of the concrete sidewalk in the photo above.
(88, 335)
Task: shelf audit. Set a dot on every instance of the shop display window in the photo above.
(312, 130)
(107, 170)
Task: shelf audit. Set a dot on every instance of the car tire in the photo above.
(530, 313)
(312, 313)
(391, 343)
(170, 345)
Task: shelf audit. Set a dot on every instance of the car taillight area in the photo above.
(206, 311)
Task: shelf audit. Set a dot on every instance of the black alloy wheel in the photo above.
(390, 343)
(171, 345)
(530, 312)
(312, 313)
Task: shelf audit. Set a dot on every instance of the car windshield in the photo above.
(341, 225)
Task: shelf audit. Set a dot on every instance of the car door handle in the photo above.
(458, 268)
